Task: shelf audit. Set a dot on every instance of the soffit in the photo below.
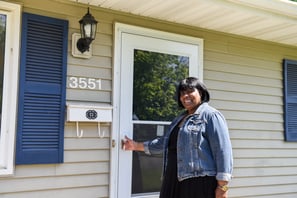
(270, 20)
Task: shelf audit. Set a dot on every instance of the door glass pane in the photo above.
(2, 52)
(155, 78)
(147, 170)
(154, 106)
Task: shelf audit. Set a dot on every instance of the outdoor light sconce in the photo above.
(88, 26)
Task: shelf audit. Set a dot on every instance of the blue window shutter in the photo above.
(290, 99)
(42, 90)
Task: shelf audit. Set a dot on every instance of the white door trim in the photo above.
(119, 30)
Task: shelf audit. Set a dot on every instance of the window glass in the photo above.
(2, 52)
(155, 78)
(154, 106)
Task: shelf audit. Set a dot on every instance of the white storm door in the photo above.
(148, 64)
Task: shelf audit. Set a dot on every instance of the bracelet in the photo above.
(224, 188)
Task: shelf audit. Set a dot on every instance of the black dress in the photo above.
(197, 187)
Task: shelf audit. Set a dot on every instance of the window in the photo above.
(9, 64)
(290, 99)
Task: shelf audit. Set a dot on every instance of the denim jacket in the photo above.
(203, 145)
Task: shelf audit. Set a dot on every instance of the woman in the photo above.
(197, 150)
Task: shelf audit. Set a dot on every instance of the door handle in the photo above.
(113, 143)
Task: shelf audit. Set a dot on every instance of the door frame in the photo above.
(119, 29)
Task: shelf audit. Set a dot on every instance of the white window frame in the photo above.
(10, 87)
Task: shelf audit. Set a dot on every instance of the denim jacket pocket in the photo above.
(195, 125)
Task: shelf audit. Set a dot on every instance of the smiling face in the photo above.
(190, 99)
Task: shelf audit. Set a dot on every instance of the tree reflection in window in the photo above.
(155, 78)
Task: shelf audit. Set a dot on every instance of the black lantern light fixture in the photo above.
(88, 27)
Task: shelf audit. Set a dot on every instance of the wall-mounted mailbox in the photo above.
(82, 113)
(88, 113)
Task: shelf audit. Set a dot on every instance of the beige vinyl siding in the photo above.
(244, 77)
(85, 171)
(245, 80)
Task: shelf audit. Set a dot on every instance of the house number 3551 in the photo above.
(84, 83)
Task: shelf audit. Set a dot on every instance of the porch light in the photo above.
(88, 26)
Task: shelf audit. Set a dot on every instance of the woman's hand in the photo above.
(221, 194)
(130, 145)
(222, 189)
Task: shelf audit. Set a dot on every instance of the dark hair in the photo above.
(189, 84)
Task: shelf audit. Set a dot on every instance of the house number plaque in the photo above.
(84, 83)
